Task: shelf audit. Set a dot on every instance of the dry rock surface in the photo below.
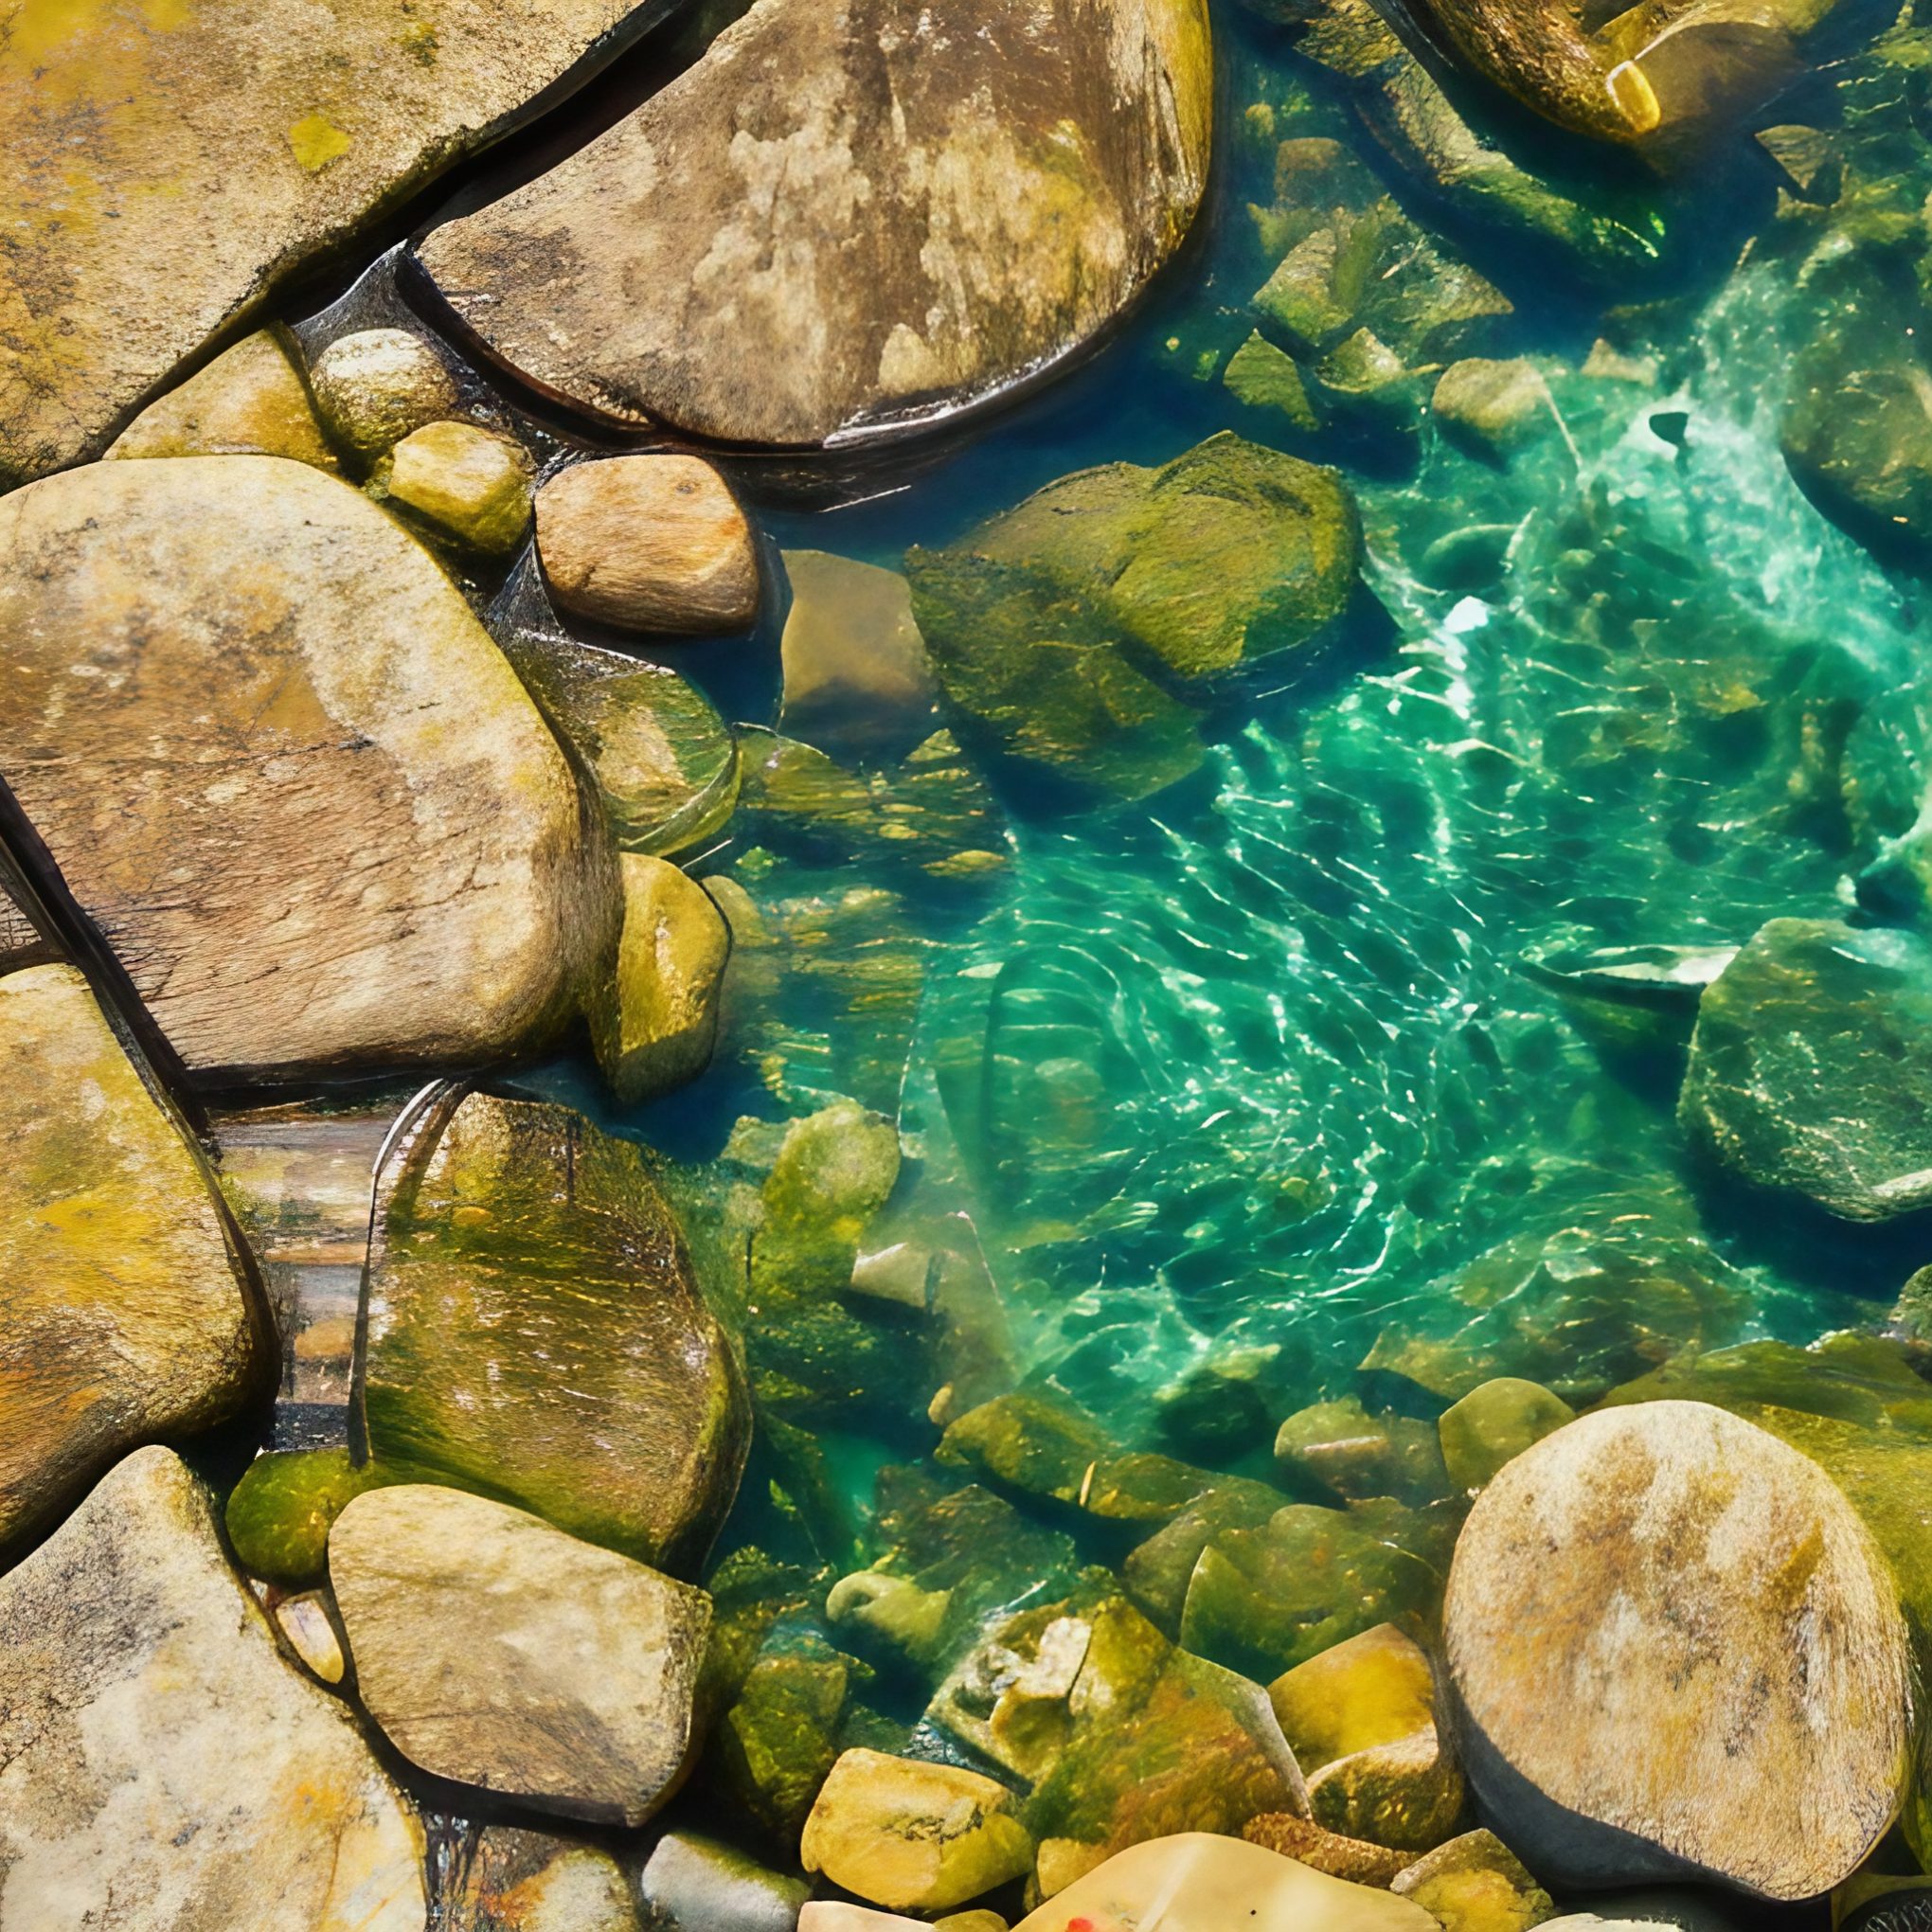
(161, 1764)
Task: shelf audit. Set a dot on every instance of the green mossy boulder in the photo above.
(280, 1512)
(1494, 1422)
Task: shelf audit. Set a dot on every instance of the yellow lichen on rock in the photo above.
(250, 401)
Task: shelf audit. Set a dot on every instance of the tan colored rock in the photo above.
(913, 1836)
(323, 824)
(166, 167)
(378, 386)
(1315, 1846)
(163, 1764)
(123, 1311)
(649, 542)
(963, 192)
(470, 484)
(517, 1881)
(655, 1027)
(1195, 1882)
(856, 675)
(836, 1915)
(1493, 1424)
(970, 1921)
(250, 401)
(1674, 1643)
(305, 1620)
(1475, 1884)
(497, 1652)
(1494, 406)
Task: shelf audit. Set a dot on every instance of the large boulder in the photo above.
(497, 1652)
(534, 1332)
(286, 772)
(160, 1762)
(126, 1307)
(1677, 1652)
(164, 169)
(1810, 1063)
(850, 215)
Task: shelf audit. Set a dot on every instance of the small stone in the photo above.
(835, 1915)
(1492, 1424)
(776, 1741)
(468, 484)
(1494, 406)
(1352, 1454)
(655, 1027)
(1264, 377)
(649, 542)
(510, 1880)
(165, 1765)
(857, 676)
(912, 1835)
(1475, 1884)
(1375, 1689)
(280, 1512)
(306, 1622)
(1772, 1753)
(125, 1313)
(1407, 1793)
(497, 1652)
(376, 386)
(1199, 1882)
(1322, 1849)
(250, 401)
(694, 1884)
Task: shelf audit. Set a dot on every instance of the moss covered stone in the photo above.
(280, 1512)
(465, 482)
(250, 401)
(1493, 1423)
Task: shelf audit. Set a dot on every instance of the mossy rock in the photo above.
(280, 1512)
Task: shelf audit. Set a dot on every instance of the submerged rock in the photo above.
(379, 387)
(535, 1333)
(1492, 1424)
(1736, 1669)
(128, 1312)
(164, 1764)
(1344, 1449)
(280, 1512)
(497, 1652)
(911, 1835)
(250, 401)
(468, 484)
(1811, 1050)
(1002, 185)
(648, 543)
(214, 151)
(1322, 1849)
(857, 678)
(281, 736)
(1494, 407)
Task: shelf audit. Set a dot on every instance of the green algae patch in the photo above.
(280, 1512)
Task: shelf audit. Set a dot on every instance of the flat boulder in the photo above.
(126, 1309)
(163, 1764)
(165, 168)
(534, 1332)
(1809, 1063)
(1678, 1654)
(497, 1652)
(849, 216)
(286, 772)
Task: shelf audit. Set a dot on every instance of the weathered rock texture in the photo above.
(498, 1651)
(124, 1311)
(534, 1333)
(167, 164)
(250, 401)
(285, 770)
(160, 1764)
(1678, 1650)
(851, 212)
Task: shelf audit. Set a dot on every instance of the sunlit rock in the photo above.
(1737, 1671)
(1322, 1849)
(307, 1622)
(1809, 1052)
(648, 543)
(250, 401)
(913, 1835)
(282, 735)
(1494, 1422)
(497, 1652)
(166, 1764)
(1021, 179)
(694, 1884)
(1475, 1884)
(378, 385)
(127, 1311)
(280, 1512)
(1199, 1882)
(466, 483)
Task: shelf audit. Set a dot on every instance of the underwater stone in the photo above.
(125, 1313)
(1264, 377)
(1495, 408)
(654, 1027)
(911, 1835)
(1770, 1751)
(648, 543)
(470, 484)
(250, 401)
(1343, 1448)
(775, 1742)
(280, 1512)
(535, 1333)
(1493, 1424)
(1475, 1884)
(1811, 1050)
(856, 677)
(1202, 1883)
(215, 150)
(165, 1765)
(681, 270)
(378, 385)
(694, 1884)
(510, 1880)
(319, 741)
(497, 1652)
